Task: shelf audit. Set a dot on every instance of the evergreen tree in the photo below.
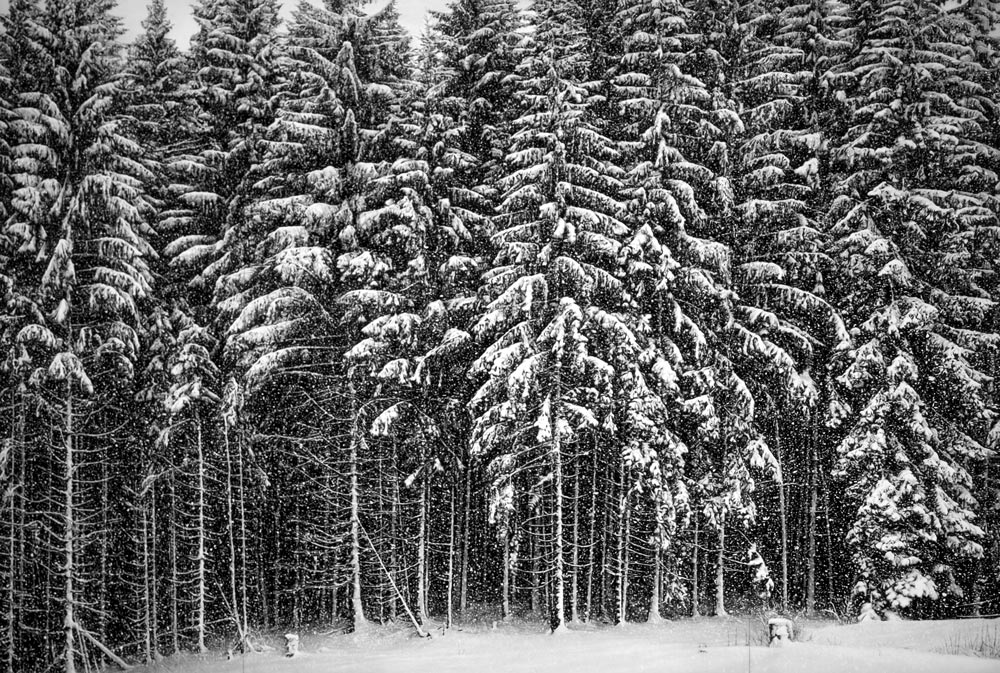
(79, 218)
(905, 231)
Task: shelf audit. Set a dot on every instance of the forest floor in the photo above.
(706, 645)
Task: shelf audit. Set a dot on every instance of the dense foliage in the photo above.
(580, 312)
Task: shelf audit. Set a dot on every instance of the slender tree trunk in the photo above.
(15, 465)
(575, 589)
(200, 626)
(241, 502)
(463, 600)
(535, 597)
(394, 525)
(356, 604)
(607, 558)
(829, 541)
(505, 613)
(720, 571)
(102, 584)
(783, 515)
(593, 534)
(622, 569)
(154, 575)
(174, 571)
(422, 551)
(231, 541)
(69, 537)
(627, 557)
(384, 590)
(451, 559)
(695, 590)
(558, 609)
(811, 528)
(147, 603)
(654, 594)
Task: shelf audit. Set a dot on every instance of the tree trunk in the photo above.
(154, 574)
(607, 557)
(626, 569)
(622, 569)
(231, 540)
(535, 600)
(695, 611)
(575, 590)
(147, 602)
(720, 571)
(463, 600)
(422, 550)
(356, 603)
(654, 594)
(174, 571)
(451, 559)
(593, 534)
(69, 537)
(783, 515)
(505, 613)
(200, 626)
(394, 525)
(241, 501)
(811, 529)
(558, 608)
(104, 581)
(15, 532)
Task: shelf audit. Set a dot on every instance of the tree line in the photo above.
(583, 312)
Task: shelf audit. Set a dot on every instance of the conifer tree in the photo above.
(79, 218)
(904, 236)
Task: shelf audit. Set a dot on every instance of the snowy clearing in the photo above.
(688, 646)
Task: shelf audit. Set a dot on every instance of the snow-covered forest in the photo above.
(598, 310)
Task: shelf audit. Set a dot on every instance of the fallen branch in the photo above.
(416, 624)
(102, 647)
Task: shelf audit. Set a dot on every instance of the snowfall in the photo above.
(710, 645)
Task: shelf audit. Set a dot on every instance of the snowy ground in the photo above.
(688, 646)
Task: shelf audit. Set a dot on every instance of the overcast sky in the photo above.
(134, 11)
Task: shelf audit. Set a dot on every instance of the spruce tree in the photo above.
(905, 231)
(79, 217)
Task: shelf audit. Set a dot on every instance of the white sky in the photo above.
(411, 13)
